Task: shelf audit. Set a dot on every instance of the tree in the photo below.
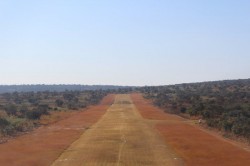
(183, 109)
(3, 122)
(11, 109)
(59, 102)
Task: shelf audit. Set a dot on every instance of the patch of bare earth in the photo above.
(197, 147)
(43, 145)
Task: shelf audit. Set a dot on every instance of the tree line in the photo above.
(57, 88)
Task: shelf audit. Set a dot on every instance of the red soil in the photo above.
(148, 111)
(195, 146)
(44, 145)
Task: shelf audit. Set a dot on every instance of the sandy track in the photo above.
(120, 137)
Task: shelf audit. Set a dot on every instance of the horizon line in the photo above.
(49, 84)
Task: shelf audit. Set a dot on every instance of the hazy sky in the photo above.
(129, 42)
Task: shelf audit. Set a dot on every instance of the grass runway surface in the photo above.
(120, 137)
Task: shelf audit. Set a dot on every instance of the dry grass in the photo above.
(195, 146)
(54, 117)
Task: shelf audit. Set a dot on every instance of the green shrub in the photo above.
(8, 130)
(3, 122)
(11, 109)
(33, 114)
(59, 102)
(13, 125)
(21, 124)
(183, 109)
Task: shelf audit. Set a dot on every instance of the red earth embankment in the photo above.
(195, 146)
(44, 145)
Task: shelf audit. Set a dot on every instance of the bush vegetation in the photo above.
(21, 111)
(224, 105)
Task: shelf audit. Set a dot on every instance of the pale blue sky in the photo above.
(130, 42)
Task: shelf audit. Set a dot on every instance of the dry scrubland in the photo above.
(126, 131)
(222, 105)
(23, 111)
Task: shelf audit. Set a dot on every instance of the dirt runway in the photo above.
(127, 131)
(120, 137)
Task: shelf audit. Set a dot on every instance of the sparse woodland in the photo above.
(224, 105)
